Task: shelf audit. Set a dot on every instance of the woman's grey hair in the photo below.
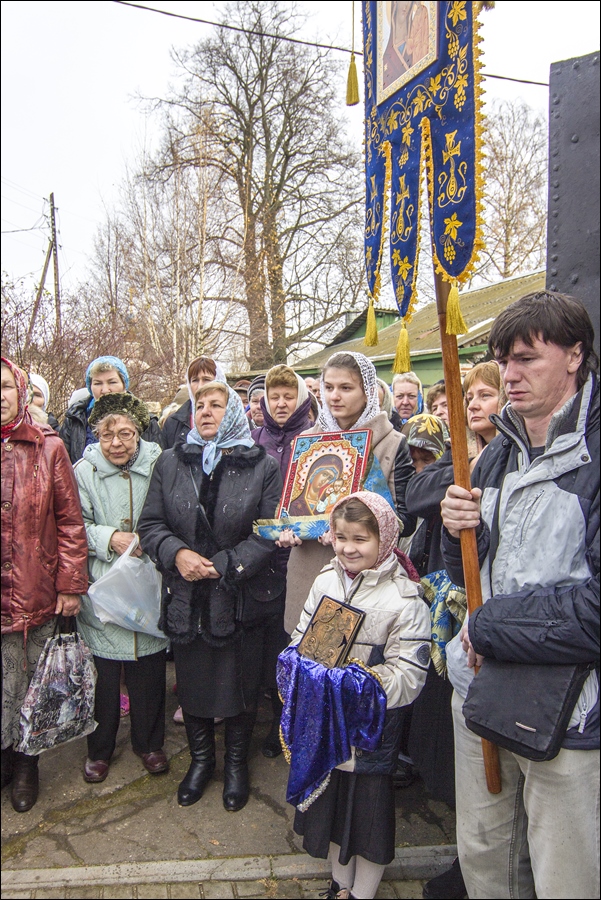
(411, 377)
(109, 419)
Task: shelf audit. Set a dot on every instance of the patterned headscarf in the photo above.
(233, 431)
(22, 383)
(326, 420)
(428, 432)
(388, 523)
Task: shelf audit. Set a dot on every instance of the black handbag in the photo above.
(524, 708)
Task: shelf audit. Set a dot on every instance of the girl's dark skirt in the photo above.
(357, 813)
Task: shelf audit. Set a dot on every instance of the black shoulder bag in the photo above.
(524, 708)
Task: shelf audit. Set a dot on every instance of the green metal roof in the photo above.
(480, 308)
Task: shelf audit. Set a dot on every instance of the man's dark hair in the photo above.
(551, 317)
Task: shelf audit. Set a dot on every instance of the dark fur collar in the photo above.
(240, 457)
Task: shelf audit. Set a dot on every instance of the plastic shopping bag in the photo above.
(129, 594)
(59, 704)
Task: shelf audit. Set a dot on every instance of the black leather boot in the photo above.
(271, 745)
(26, 782)
(236, 785)
(447, 886)
(201, 741)
(7, 765)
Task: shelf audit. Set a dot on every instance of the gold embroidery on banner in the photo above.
(401, 229)
(452, 184)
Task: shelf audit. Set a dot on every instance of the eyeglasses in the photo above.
(122, 437)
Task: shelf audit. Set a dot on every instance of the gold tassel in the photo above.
(371, 326)
(455, 321)
(402, 359)
(352, 84)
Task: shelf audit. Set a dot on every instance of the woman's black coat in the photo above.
(176, 426)
(217, 522)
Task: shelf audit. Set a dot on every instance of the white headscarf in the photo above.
(42, 385)
(78, 395)
(303, 391)
(369, 379)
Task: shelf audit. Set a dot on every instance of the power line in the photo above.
(18, 230)
(10, 200)
(280, 37)
(23, 190)
(276, 37)
(517, 80)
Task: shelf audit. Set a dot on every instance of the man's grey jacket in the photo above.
(538, 544)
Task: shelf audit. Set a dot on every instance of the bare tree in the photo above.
(284, 245)
(515, 192)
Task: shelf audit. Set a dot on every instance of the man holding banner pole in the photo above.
(535, 507)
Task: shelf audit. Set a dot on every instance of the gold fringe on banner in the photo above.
(455, 321)
(352, 84)
(371, 327)
(402, 359)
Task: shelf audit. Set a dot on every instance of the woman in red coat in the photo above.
(44, 562)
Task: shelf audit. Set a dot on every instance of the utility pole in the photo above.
(36, 305)
(57, 289)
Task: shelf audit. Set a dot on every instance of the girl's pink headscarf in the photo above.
(22, 382)
(388, 523)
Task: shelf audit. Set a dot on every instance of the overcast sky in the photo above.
(71, 71)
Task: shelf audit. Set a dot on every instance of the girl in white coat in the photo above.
(353, 820)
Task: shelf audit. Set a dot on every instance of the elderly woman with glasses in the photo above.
(113, 479)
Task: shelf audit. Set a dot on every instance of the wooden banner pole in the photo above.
(461, 468)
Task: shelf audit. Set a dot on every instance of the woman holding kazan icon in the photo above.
(349, 391)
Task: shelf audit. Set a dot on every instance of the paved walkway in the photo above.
(294, 876)
(127, 837)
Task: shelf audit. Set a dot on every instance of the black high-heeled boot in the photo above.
(236, 785)
(272, 746)
(201, 741)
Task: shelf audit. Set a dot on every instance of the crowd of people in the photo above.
(185, 488)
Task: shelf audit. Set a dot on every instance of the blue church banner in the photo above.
(422, 110)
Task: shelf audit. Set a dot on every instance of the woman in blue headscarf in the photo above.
(104, 375)
(218, 576)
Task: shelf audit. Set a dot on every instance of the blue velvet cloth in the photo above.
(326, 711)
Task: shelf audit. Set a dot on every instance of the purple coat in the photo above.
(277, 439)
